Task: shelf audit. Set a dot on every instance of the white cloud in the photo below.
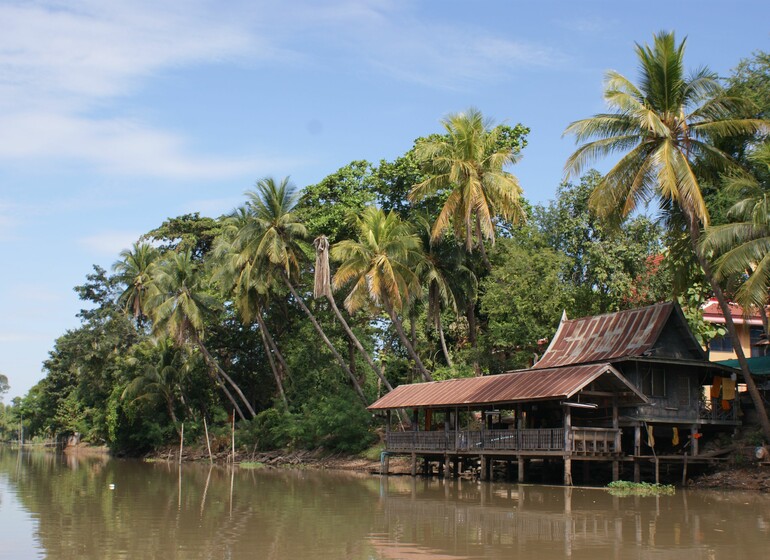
(62, 61)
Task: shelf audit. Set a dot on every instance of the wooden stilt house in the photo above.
(622, 388)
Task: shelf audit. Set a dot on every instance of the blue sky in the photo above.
(117, 115)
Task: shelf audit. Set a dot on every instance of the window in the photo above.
(756, 335)
(721, 344)
(654, 382)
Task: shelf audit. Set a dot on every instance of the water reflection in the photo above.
(161, 510)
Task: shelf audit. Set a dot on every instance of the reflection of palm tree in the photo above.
(468, 162)
(135, 271)
(271, 239)
(159, 381)
(380, 265)
(178, 306)
(661, 126)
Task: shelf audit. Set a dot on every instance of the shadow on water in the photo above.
(89, 507)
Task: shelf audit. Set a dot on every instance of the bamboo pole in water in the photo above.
(181, 444)
(208, 443)
(233, 439)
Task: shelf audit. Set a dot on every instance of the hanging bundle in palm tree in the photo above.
(322, 285)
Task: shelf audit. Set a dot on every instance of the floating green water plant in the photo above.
(626, 488)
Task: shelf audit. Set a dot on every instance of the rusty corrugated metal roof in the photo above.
(607, 337)
(511, 387)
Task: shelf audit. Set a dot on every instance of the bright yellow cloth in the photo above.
(716, 387)
(675, 439)
(728, 389)
(650, 437)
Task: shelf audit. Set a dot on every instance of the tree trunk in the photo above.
(359, 346)
(440, 329)
(212, 363)
(470, 314)
(730, 325)
(268, 351)
(172, 414)
(482, 249)
(402, 335)
(326, 340)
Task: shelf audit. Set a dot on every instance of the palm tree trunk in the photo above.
(440, 329)
(359, 346)
(730, 325)
(212, 363)
(482, 249)
(404, 339)
(470, 314)
(172, 414)
(326, 340)
(268, 351)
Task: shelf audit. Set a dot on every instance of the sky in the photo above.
(115, 116)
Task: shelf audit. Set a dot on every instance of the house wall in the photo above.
(674, 391)
(720, 350)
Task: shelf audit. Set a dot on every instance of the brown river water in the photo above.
(55, 506)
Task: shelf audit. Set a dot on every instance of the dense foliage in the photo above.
(433, 266)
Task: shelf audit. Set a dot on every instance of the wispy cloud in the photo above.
(63, 62)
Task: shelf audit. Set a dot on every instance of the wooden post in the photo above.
(414, 464)
(208, 442)
(657, 470)
(233, 437)
(181, 444)
(521, 468)
(386, 464)
(483, 467)
(694, 440)
(617, 450)
(637, 452)
(447, 471)
(567, 446)
(684, 471)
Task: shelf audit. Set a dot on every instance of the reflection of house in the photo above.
(622, 388)
(749, 328)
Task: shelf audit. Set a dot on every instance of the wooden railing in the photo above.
(594, 441)
(583, 441)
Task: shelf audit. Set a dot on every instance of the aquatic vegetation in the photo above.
(625, 488)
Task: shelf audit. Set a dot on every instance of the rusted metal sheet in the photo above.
(511, 387)
(607, 337)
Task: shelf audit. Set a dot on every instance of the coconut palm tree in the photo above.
(450, 284)
(742, 247)
(160, 381)
(134, 269)
(661, 127)
(468, 163)
(380, 265)
(178, 305)
(323, 288)
(273, 240)
(249, 291)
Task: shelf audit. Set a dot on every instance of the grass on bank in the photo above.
(625, 488)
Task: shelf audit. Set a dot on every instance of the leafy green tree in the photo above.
(188, 232)
(661, 126)
(4, 386)
(523, 298)
(607, 268)
(327, 206)
(380, 265)
(468, 161)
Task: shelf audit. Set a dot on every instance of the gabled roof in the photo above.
(712, 313)
(517, 386)
(625, 334)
